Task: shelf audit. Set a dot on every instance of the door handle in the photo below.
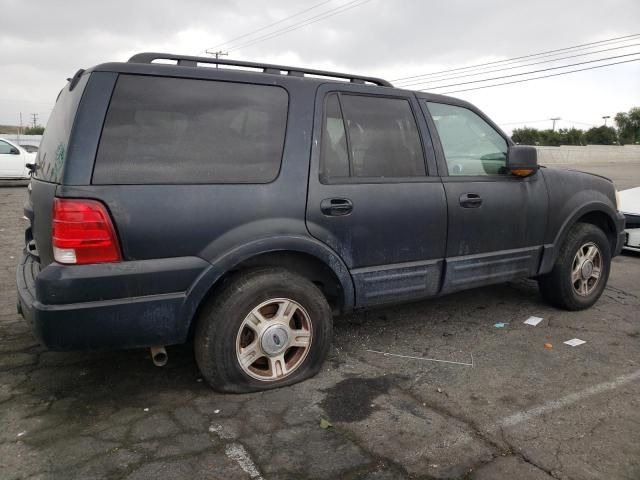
(470, 200)
(336, 207)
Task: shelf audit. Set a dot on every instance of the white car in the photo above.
(13, 160)
(629, 204)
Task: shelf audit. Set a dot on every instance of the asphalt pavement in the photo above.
(499, 403)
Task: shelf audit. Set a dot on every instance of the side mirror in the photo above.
(14, 151)
(522, 160)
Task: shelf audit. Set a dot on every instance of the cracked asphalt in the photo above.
(520, 410)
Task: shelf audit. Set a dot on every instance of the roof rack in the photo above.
(190, 61)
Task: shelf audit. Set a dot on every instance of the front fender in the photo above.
(573, 194)
(551, 251)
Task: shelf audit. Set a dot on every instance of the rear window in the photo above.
(172, 130)
(53, 147)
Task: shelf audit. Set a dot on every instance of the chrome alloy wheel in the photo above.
(274, 339)
(586, 269)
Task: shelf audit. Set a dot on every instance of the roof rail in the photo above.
(190, 61)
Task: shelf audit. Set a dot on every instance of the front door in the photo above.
(496, 220)
(373, 197)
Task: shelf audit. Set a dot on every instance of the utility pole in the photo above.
(34, 119)
(20, 128)
(605, 117)
(554, 120)
(218, 54)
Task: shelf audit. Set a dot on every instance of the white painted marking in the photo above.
(570, 399)
(533, 321)
(238, 453)
(221, 432)
(574, 342)
(422, 358)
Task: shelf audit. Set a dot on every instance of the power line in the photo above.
(269, 26)
(454, 77)
(329, 13)
(543, 76)
(534, 71)
(509, 61)
(610, 40)
(580, 123)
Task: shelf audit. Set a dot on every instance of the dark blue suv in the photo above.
(242, 207)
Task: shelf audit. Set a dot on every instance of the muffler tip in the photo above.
(159, 356)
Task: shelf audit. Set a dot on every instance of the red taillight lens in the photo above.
(83, 232)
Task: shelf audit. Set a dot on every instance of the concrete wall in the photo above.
(23, 139)
(591, 154)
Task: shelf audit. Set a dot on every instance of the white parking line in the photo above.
(570, 399)
(237, 452)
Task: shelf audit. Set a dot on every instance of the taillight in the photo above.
(83, 232)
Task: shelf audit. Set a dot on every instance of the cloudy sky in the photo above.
(43, 42)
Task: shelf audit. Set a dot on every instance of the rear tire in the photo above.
(265, 329)
(581, 270)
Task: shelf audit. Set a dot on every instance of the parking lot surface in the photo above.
(507, 407)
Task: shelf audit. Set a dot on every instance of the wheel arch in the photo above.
(306, 257)
(595, 213)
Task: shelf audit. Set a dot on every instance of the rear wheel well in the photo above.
(303, 264)
(604, 223)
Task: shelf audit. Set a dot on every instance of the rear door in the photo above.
(496, 220)
(373, 196)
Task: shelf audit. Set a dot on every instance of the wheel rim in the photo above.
(274, 339)
(586, 269)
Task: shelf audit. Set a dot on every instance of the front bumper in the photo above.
(104, 306)
(621, 236)
(632, 232)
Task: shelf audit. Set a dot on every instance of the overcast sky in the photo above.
(44, 42)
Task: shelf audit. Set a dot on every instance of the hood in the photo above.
(629, 201)
(589, 173)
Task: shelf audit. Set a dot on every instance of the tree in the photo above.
(629, 126)
(601, 136)
(34, 130)
(574, 136)
(550, 137)
(525, 136)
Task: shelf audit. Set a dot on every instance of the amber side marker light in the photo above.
(522, 172)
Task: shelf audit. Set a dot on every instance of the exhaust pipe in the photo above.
(159, 355)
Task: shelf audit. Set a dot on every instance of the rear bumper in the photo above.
(130, 304)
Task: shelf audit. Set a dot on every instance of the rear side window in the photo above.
(335, 157)
(379, 134)
(52, 152)
(172, 130)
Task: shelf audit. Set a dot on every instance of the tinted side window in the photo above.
(367, 136)
(334, 155)
(171, 130)
(383, 137)
(471, 146)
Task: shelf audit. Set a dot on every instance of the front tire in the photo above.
(265, 329)
(581, 270)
